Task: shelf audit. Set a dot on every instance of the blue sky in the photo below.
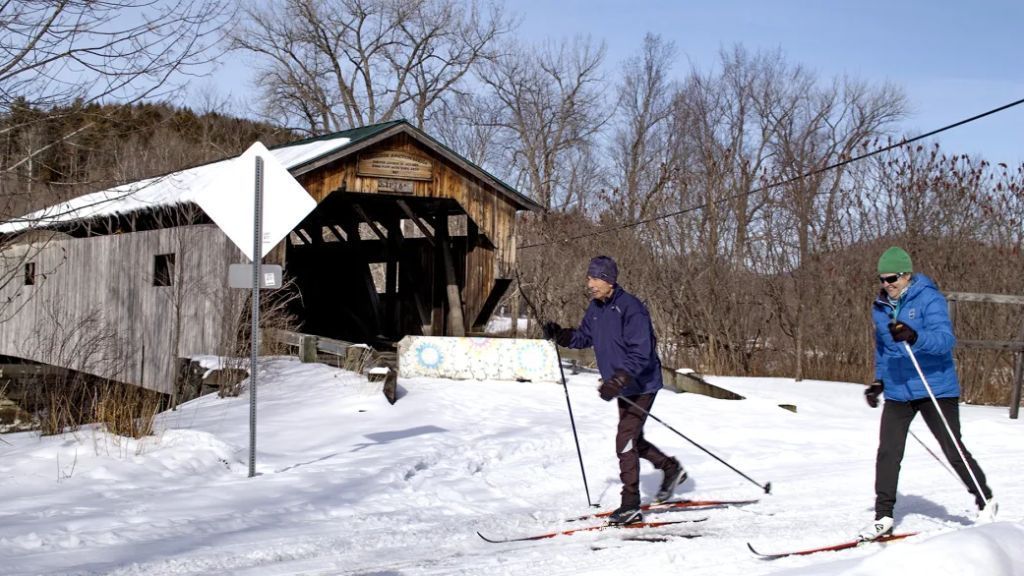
(952, 59)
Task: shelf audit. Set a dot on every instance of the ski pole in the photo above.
(767, 487)
(937, 459)
(561, 371)
(949, 430)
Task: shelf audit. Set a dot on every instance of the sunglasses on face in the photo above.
(890, 279)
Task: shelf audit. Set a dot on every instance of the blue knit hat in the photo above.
(604, 268)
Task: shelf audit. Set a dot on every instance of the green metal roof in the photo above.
(353, 134)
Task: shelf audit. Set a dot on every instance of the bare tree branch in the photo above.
(333, 64)
(53, 52)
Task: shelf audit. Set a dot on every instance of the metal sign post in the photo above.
(257, 260)
(284, 203)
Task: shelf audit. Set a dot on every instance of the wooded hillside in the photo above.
(49, 155)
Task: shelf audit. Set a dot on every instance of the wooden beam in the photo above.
(424, 315)
(1017, 387)
(472, 234)
(410, 285)
(323, 344)
(994, 298)
(30, 370)
(1014, 346)
(456, 319)
(437, 284)
(412, 281)
(393, 252)
(416, 220)
(352, 228)
(369, 222)
(1018, 384)
(515, 314)
(316, 232)
(496, 294)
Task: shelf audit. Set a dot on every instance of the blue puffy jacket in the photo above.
(621, 333)
(923, 308)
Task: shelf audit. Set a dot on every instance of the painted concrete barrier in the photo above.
(478, 359)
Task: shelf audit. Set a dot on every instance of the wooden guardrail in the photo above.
(309, 345)
(1015, 346)
(358, 358)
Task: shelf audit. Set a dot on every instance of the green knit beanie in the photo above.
(895, 260)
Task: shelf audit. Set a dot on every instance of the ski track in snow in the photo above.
(350, 485)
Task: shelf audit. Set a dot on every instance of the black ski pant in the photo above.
(631, 446)
(892, 440)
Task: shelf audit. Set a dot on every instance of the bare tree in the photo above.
(53, 52)
(550, 107)
(333, 64)
(718, 153)
(468, 123)
(642, 151)
(816, 127)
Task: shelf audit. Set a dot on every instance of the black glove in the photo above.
(550, 330)
(561, 336)
(902, 333)
(871, 393)
(613, 386)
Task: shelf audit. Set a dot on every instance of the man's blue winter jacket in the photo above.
(621, 333)
(923, 308)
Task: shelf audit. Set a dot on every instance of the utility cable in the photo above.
(757, 189)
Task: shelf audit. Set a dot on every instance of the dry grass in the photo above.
(127, 411)
(122, 409)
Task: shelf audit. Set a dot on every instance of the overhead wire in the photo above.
(755, 190)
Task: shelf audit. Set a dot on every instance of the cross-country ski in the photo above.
(601, 527)
(655, 507)
(833, 547)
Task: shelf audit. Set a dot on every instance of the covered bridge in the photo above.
(408, 237)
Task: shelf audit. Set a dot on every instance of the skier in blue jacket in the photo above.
(910, 309)
(619, 328)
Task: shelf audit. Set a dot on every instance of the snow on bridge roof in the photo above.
(172, 189)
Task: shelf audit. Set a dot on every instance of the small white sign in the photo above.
(240, 276)
(230, 200)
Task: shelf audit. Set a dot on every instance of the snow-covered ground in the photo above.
(501, 324)
(349, 484)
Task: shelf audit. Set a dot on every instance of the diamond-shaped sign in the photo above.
(230, 200)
